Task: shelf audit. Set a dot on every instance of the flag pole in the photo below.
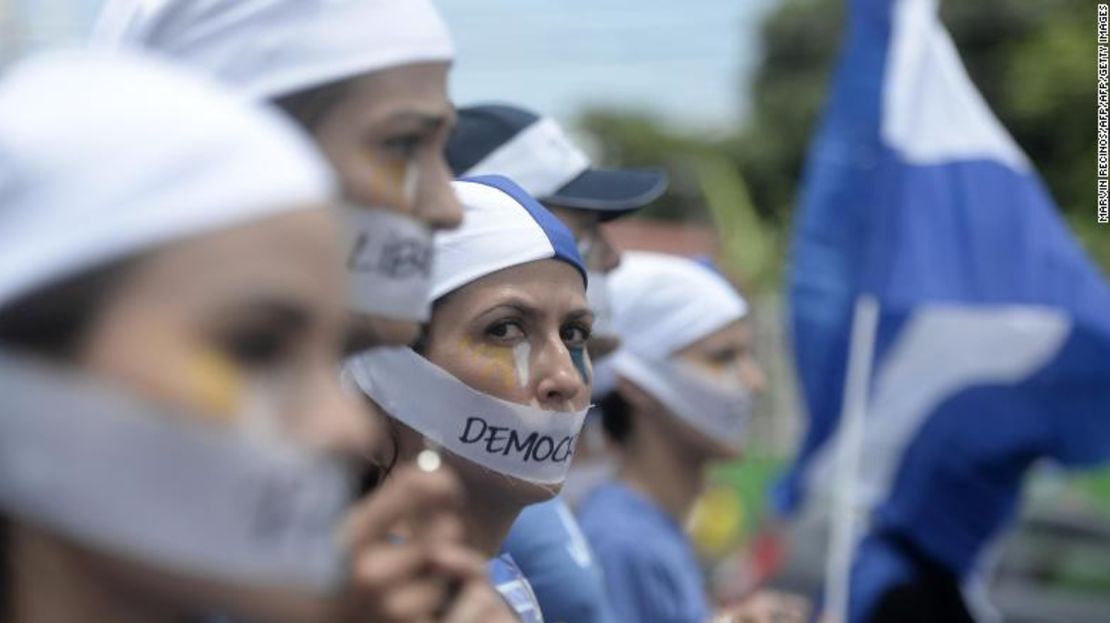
(9, 32)
(844, 516)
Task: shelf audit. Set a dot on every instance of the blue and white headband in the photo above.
(502, 227)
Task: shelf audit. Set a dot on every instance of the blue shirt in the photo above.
(549, 547)
(507, 578)
(651, 572)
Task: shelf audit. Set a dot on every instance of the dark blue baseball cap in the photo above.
(534, 152)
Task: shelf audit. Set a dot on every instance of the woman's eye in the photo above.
(403, 146)
(254, 348)
(725, 357)
(575, 335)
(505, 331)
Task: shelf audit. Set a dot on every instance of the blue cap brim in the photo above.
(614, 192)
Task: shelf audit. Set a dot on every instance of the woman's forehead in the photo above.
(735, 334)
(291, 256)
(548, 286)
(418, 89)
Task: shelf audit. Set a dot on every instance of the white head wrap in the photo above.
(269, 48)
(103, 157)
(502, 226)
(662, 304)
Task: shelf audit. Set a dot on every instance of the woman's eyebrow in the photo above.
(530, 310)
(725, 352)
(583, 313)
(518, 305)
(283, 313)
(426, 121)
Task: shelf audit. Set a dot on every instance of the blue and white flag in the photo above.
(993, 347)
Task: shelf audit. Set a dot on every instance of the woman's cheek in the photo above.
(393, 184)
(499, 370)
(212, 384)
(186, 374)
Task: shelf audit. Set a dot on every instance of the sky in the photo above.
(684, 62)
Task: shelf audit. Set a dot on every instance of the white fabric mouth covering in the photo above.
(525, 442)
(178, 492)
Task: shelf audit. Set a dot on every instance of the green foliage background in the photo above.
(1033, 60)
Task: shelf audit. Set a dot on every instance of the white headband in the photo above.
(503, 226)
(269, 48)
(105, 156)
(663, 303)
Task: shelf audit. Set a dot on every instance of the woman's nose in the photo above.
(338, 422)
(609, 257)
(753, 376)
(560, 380)
(436, 204)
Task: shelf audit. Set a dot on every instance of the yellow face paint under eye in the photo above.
(581, 362)
(214, 385)
(399, 182)
(497, 362)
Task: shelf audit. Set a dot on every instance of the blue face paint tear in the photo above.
(581, 362)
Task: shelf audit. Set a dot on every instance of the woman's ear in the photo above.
(636, 397)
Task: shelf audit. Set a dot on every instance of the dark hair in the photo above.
(53, 322)
(616, 417)
(379, 470)
(309, 107)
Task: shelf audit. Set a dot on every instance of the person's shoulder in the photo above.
(539, 539)
(613, 512)
(609, 498)
(538, 523)
(636, 542)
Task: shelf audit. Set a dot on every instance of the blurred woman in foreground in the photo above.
(173, 436)
(367, 79)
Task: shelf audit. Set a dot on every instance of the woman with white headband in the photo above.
(173, 437)
(368, 80)
(500, 379)
(685, 378)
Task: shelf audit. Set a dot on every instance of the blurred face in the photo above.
(385, 137)
(725, 355)
(597, 250)
(727, 352)
(519, 334)
(599, 254)
(253, 312)
(251, 316)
